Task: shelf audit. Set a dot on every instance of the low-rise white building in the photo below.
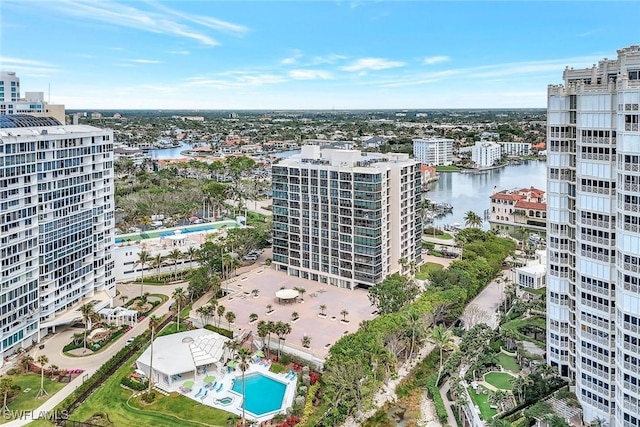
(516, 148)
(531, 276)
(433, 151)
(486, 154)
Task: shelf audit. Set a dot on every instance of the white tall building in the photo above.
(486, 153)
(32, 103)
(56, 219)
(433, 151)
(344, 217)
(593, 199)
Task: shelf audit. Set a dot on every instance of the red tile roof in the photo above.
(503, 196)
(531, 205)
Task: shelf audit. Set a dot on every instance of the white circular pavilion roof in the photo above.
(287, 294)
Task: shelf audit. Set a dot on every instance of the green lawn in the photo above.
(499, 380)
(426, 268)
(172, 328)
(276, 368)
(447, 168)
(482, 402)
(25, 401)
(111, 399)
(517, 324)
(509, 363)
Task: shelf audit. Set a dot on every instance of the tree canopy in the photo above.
(393, 293)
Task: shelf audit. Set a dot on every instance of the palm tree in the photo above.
(243, 364)
(306, 341)
(205, 312)
(42, 360)
(322, 308)
(220, 312)
(271, 329)
(175, 255)
(232, 346)
(6, 385)
(415, 324)
(88, 314)
(301, 291)
(180, 297)
(253, 317)
(599, 422)
(282, 330)
(153, 323)
(158, 260)
(344, 313)
(403, 263)
(143, 258)
(472, 219)
(443, 339)
(263, 331)
(230, 316)
(269, 308)
(191, 254)
(294, 315)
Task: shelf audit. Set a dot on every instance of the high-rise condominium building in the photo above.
(32, 103)
(593, 231)
(344, 217)
(433, 151)
(56, 225)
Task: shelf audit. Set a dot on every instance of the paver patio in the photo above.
(322, 331)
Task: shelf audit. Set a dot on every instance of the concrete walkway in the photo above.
(451, 419)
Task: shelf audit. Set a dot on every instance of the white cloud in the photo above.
(236, 79)
(145, 61)
(436, 59)
(310, 75)
(327, 59)
(297, 54)
(366, 64)
(178, 52)
(8, 63)
(164, 21)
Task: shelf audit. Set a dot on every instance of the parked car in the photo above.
(130, 340)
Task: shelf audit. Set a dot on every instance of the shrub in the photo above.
(224, 332)
(308, 405)
(133, 384)
(434, 393)
(149, 396)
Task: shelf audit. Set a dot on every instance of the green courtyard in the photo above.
(426, 269)
(481, 400)
(509, 363)
(499, 380)
(29, 386)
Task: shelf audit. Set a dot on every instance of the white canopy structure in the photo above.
(184, 355)
(287, 294)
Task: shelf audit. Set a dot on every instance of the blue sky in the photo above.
(306, 54)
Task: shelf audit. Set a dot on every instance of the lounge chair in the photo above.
(213, 385)
(204, 395)
(198, 393)
(219, 387)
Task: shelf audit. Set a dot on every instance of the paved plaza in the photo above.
(322, 331)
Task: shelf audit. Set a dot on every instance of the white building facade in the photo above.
(433, 151)
(56, 214)
(344, 217)
(486, 154)
(516, 148)
(32, 103)
(593, 289)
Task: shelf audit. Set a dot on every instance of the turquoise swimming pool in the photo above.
(262, 394)
(151, 234)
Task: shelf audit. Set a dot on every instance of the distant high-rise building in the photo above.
(433, 151)
(56, 225)
(593, 274)
(486, 153)
(344, 217)
(32, 103)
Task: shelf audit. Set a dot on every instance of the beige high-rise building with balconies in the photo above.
(593, 198)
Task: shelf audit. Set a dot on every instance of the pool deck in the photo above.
(165, 232)
(210, 397)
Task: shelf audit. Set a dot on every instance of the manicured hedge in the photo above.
(434, 393)
(132, 384)
(224, 332)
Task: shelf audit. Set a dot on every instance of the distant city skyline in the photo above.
(305, 55)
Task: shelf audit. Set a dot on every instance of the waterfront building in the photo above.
(515, 148)
(593, 297)
(486, 154)
(433, 151)
(56, 219)
(345, 217)
(518, 208)
(33, 103)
